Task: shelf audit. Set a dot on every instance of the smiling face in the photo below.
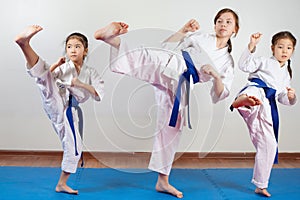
(283, 50)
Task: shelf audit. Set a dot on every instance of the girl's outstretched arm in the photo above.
(58, 63)
(254, 40)
(190, 26)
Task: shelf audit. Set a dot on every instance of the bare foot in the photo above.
(263, 192)
(245, 100)
(167, 188)
(111, 30)
(109, 33)
(24, 37)
(65, 189)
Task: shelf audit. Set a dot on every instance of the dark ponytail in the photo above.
(229, 46)
(289, 68)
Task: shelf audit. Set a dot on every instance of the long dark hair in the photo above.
(285, 35)
(236, 19)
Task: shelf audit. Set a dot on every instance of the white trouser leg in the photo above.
(55, 109)
(70, 159)
(259, 122)
(147, 64)
(167, 138)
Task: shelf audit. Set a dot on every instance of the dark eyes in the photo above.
(227, 21)
(281, 47)
(76, 46)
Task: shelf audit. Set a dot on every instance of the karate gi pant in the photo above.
(260, 126)
(148, 65)
(55, 108)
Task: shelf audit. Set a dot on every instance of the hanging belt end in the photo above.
(172, 124)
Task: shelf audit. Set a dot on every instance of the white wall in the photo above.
(125, 119)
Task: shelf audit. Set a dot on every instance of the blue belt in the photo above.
(74, 103)
(270, 95)
(185, 76)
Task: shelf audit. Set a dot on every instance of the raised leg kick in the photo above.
(110, 32)
(246, 101)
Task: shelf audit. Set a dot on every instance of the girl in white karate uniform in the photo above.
(163, 67)
(254, 106)
(63, 85)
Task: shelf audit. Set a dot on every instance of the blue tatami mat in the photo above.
(36, 183)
